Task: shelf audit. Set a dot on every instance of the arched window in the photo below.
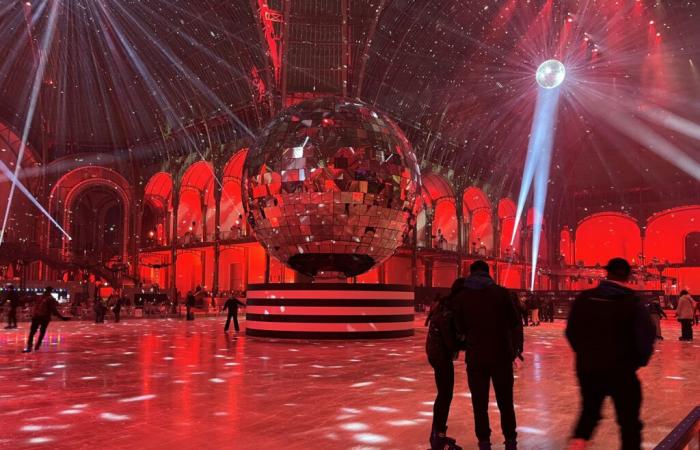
(692, 248)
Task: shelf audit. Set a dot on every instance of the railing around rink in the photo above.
(686, 436)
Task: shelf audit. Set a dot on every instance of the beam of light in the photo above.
(545, 118)
(671, 121)
(139, 64)
(23, 189)
(541, 140)
(34, 98)
(654, 142)
(537, 164)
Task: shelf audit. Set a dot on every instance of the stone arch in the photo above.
(506, 216)
(666, 233)
(71, 185)
(477, 212)
(195, 218)
(158, 197)
(438, 196)
(602, 236)
(233, 223)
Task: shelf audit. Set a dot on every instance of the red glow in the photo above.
(603, 236)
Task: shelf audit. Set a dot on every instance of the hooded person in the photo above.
(487, 318)
(610, 331)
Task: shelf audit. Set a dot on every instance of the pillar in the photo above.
(460, 233)
(428, 272)
(203, 204)
(136, 235)
(267, 266)
(414, 256)
(173, 243)
(217, 238)
(429, 215)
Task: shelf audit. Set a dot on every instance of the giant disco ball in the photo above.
(329, 187)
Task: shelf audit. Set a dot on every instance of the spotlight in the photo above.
(550, 74)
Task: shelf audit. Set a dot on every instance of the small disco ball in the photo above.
(330, 186)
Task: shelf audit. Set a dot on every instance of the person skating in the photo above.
(656, 312)
(117, 308)
(13, 300)
(441, 349)
(534, 307)
(685, 313)
(100, 310)
(612, 335)
(486, 315)
(44, 307)
(231, 306)
(189, 304)
(548, 309)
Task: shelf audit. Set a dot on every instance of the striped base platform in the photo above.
(329, 311)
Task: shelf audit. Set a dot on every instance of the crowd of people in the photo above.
(609, 328)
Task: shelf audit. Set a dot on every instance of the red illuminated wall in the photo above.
(666, 232)
(506, 216)
(445, 221)
(477, 211)
(566, 249)
(603, 236)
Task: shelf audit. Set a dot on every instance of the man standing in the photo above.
(487, 317)
(612, 335)
(231, 306)
(117, 308)
(44, 307)
(189, 304)
(684, 314)
(13, 300)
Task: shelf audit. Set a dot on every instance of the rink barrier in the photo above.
(329, 311)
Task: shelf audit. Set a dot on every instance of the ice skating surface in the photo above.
(167, 384)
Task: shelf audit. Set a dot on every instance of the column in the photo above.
(217, 238)
(428, 272)
(429, 214)
(203, 204)
(267, 266)
(173, 242)
(460, 234)
(136, 236)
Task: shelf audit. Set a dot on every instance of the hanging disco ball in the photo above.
(329, 187)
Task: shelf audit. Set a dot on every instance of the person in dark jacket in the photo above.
(13, 300)
(487, 317)
(534, 307)
(231, 306)
(117, 308)
(656, 312)
(548, 309)
(612, 335)
(44, 307)
(100, 310)
(189, 304)
(441, 348)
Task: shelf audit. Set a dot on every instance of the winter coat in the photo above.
(610, 330)
(486, 315)
(686, 308)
